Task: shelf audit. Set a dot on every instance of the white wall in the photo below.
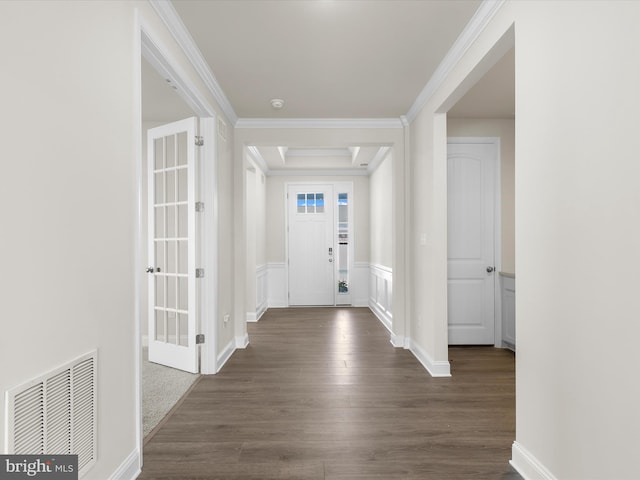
(69, 198)
(227, 242)
(68, 203)
(381, 213)
(276, 233)
(577, 233)
(504, 128)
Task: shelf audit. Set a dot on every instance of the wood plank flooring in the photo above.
(320, 393)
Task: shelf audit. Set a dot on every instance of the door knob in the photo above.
(152, 270)
(490, 269)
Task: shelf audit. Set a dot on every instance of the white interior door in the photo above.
(471, 265)
(311, 245)
(172, 252)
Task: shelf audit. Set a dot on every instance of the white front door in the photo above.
(311, 245)
(471, 265)
(172, 253)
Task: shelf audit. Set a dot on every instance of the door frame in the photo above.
(497, 234)
(336, 185)
(147, 45)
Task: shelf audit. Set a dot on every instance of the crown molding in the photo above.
(167, 13)
(469, 35)
(257, 157)
(352, 172)
(377, 159)
(318, 123)
(318, 152)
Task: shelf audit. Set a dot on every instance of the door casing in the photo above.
(338, 187)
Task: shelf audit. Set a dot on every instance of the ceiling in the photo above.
(327, 59)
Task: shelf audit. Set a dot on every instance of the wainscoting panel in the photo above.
(381, 293)
(276, 285)
(508, 294)
(360, 284)
(262, 288)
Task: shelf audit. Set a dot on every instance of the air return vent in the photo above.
(56, 413)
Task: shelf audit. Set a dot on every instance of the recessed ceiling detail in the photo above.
(352, 160)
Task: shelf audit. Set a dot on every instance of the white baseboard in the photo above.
(382, 315)
(242, 341)
(398, 341)
(255, 316)
(129, 469)
(225, 355)
(528, 466)
(439, 368)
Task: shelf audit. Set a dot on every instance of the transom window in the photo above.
(310, 203)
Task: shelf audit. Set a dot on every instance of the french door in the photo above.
(172, 244)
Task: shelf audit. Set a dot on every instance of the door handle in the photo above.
(490, 269)
(152, 270)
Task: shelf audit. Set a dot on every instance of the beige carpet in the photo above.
(162, 387)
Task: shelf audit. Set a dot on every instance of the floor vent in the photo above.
(56, 413)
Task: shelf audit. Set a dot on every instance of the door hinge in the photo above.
(200, 339)
(199, 141)
(199, 272)
(199, 206)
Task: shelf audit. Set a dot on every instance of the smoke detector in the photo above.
(277, 103)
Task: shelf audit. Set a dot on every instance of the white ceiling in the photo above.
(327, 59)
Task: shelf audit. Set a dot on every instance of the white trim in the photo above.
(130, 468)
(242, 341)
(318, 152)
(399, 341)
(440, 368)
(157, 54)
(318, 123)
(209, 244)
(385, 318)
(319, 173)
(173, 22)
(138, 231)
(262, 294)
(225, 355)
(471, 32)
(527, 465)
(381, 295)
(377, 159)
(258, 159)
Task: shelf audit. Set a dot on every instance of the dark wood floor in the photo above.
(322, 394)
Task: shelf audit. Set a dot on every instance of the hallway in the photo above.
(320, 393)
